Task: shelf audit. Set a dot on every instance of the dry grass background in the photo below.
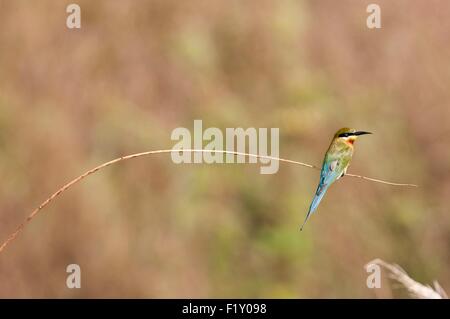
(70, 100)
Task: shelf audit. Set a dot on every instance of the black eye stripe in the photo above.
(346, 134)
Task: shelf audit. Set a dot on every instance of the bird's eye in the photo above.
(344, 135)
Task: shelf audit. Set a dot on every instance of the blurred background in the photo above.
(72, 99)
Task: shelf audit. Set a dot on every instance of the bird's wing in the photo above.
(331, 171)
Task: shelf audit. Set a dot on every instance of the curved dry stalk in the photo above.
(415, 289)
(123, 158)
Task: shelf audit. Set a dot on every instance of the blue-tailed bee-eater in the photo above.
(335, 164)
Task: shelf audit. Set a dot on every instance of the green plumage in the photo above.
(341, 152)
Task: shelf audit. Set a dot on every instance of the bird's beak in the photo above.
(361, 133)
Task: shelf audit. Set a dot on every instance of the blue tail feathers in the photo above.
(321, 190)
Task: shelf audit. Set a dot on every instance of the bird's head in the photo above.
(348, 135)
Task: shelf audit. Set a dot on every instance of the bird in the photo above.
(335, 164)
